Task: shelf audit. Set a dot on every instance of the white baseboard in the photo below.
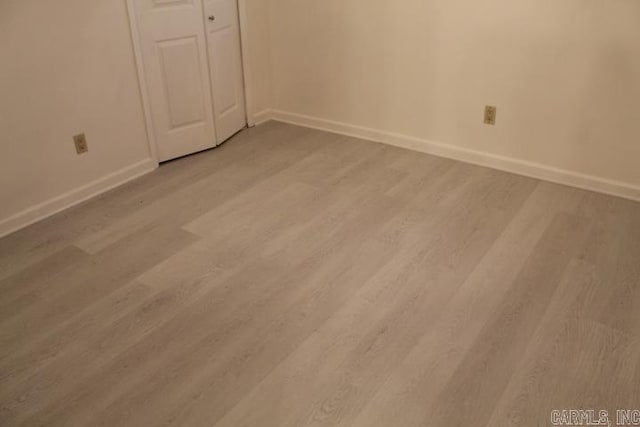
(507, 164)
(73, 197)
(262, 116)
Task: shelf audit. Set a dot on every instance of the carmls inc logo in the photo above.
(593, 417)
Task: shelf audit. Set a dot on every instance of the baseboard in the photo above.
(73, 197)
(262, 116)
(507, 164)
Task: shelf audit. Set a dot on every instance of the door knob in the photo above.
(212, 18)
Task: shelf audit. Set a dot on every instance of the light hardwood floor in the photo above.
(299, 278)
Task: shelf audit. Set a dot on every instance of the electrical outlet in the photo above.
(81, 143)
(490, 115)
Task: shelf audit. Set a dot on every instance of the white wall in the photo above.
(67, 67)
(565, 75)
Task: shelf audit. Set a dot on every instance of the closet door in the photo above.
(225, 64)
(174, 51)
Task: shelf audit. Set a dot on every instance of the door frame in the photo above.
(142, 82)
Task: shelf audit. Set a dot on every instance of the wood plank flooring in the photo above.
(294, 277)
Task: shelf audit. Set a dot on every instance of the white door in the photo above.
(225, 64)
(174, 53)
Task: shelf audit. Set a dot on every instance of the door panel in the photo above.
(225, 64)
(175, 61)
(172, 2)
(226, 96)
(182, 84)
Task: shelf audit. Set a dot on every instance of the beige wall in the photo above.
(565, 75)
(259, 54)
(67, 67)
